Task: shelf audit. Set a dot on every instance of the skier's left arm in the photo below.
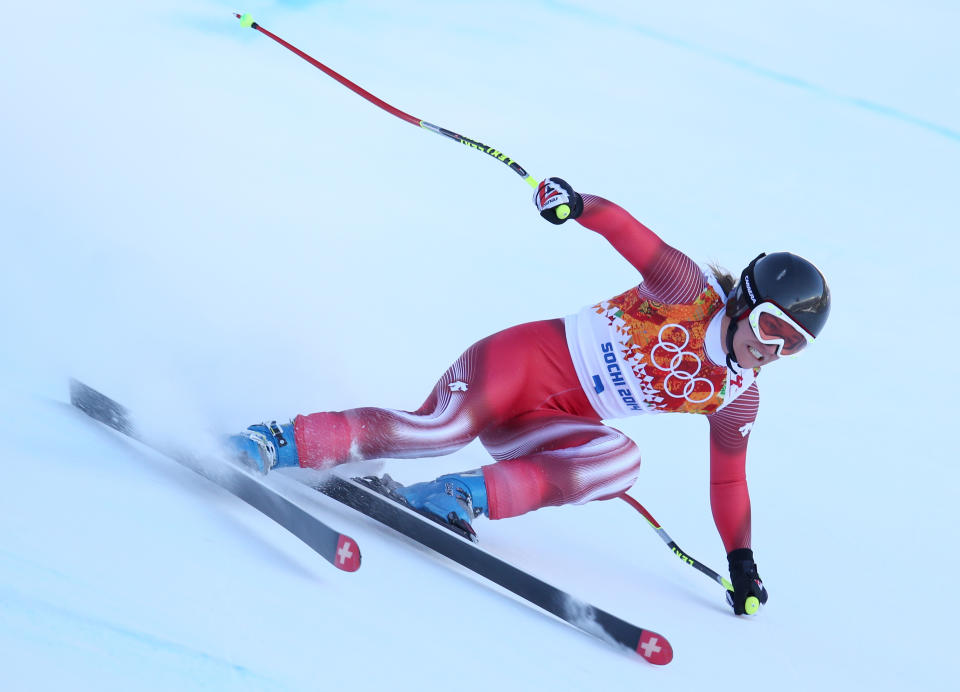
(557, 202)
(729, 497)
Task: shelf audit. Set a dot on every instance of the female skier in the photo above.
(686, 340)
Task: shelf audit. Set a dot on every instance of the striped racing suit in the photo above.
(536, 394)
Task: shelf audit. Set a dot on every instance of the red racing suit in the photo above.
(536, 394)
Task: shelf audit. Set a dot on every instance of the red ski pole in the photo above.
(247, 21)
(752, 604)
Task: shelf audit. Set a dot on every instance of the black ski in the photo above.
(369, 496)
(338, 549)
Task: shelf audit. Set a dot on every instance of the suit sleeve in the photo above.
(666, 271)
(729, 498)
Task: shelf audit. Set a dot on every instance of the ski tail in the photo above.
(102, 409)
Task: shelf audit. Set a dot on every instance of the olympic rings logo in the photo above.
(690, 379)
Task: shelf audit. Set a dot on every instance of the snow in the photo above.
(209, 230)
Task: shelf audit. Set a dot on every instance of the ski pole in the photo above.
(752, 604)
(247, 21)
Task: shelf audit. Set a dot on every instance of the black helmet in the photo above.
(790, 282)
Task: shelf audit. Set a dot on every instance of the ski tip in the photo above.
(655, 648)
(347, 556)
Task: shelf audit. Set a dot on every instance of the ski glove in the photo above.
(556, 201)
(748, 593)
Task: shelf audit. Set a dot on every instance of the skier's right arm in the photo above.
(730, 500)
(635, 242)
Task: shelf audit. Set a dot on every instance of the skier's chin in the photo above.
(750, 357)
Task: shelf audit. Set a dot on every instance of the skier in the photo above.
(686, 340)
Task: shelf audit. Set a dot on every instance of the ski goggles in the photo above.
(771, 325)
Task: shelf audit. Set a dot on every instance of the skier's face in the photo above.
(749, 351)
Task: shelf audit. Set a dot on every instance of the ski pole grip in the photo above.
(563, 211)
(751, 605)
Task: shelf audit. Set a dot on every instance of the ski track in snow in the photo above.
(782, 78)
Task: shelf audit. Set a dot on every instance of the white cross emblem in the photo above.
(650, 647)
(745, 430)
(458, 386)
(344, 553)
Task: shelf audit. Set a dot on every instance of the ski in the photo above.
(369, 496)
(337, 548)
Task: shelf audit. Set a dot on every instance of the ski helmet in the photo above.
(787, 281)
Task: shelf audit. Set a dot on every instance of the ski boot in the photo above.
(265, 446)
(454, 499)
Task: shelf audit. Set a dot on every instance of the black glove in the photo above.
(556, 201)
(748, 593)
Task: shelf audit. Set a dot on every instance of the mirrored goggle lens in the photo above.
(771, 328)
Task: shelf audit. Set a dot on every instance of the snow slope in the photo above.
(206, 228)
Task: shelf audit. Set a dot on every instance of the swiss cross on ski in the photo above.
(348, 557)
(655, 648)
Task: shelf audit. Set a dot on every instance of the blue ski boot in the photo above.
(265, 446)
(453, 499)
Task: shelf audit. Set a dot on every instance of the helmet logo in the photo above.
(748, 285)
